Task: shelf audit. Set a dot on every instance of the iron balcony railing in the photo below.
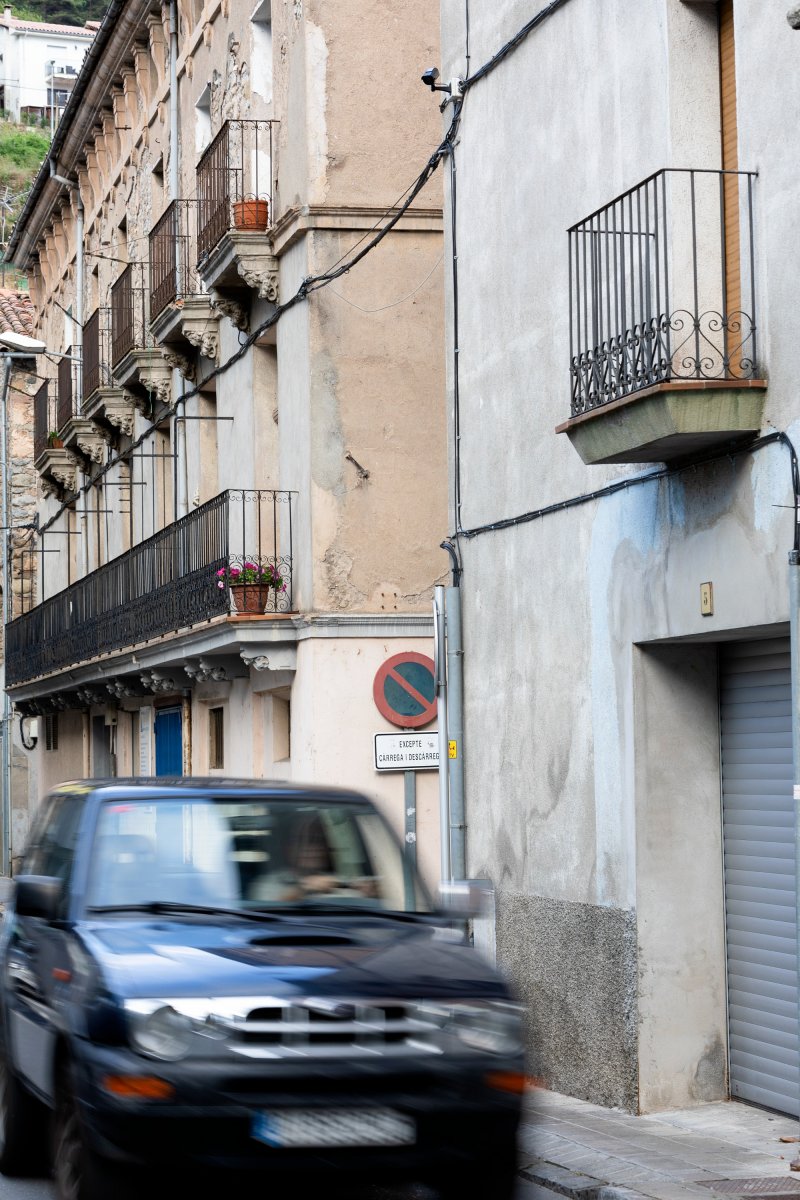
(173, 256)
(42, 420)
(65, 404)
(129, 312)
(234, 183)
(96, 352)
(662, 286)
(233, 554)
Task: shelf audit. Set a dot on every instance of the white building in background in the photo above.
(39, 63)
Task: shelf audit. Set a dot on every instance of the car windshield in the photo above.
(249, 854)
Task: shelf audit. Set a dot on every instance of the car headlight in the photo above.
(488, 1026)
(171, 1029)
(493, 1029)
(164, 1033)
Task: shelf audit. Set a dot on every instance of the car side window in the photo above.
(54, 848)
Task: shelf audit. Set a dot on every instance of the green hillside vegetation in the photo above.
(22, 151)
(61, 12)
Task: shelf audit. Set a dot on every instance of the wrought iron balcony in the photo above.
(65, 404)
(234, 183)
(662, 299)
(232, 554)
(96, 352)
(173, 255)
(129, 319)
(42, 421)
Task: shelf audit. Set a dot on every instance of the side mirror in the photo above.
(38, 896)
(463, 899)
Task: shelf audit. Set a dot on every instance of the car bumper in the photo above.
(459, 1116)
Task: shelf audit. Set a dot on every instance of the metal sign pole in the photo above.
(440, 659)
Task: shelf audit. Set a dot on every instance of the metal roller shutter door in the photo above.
(758, 826)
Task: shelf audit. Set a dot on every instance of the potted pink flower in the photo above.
(251, 585)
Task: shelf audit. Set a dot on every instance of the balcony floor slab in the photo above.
(669, 422)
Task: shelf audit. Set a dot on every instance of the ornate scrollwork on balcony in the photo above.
(662, 297)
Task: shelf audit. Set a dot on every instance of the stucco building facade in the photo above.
(219, 414)
(623, 410)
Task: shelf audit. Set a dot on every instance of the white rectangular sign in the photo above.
(145, 740)
(407, 751)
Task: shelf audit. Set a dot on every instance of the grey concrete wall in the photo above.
(679, 901)
(574, 965)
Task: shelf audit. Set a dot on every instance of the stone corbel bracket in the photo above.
(119, 411)
(271, 667)
(179, 362)
(264, 281)
(65, 474)
(200, 670)
(226, 306)
(155, 682)
(93, 443)
(205, 339)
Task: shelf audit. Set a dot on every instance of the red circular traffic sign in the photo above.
(404, 690)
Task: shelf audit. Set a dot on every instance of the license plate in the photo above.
(333, 1127)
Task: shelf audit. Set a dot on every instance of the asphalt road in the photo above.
(37, 1189)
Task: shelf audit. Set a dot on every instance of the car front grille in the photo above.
(329, 1029)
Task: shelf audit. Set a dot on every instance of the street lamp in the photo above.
(17, 346)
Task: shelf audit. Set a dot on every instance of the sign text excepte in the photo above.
(407, 751)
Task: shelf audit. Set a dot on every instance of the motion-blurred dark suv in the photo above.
(239, 975)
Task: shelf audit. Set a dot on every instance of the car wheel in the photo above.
(78, 1173)
(21, 1119)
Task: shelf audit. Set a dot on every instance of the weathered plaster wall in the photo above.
(333, 722)
(344, 73)
(679, 905)
(376, 380)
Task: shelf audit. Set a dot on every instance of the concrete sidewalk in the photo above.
(591, 1153)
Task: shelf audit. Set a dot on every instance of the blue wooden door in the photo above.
(169, 742)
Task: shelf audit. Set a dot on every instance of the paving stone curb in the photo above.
(575, 1185)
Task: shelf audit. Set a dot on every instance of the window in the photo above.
(281, 728)
(216, 739)
(261, 24)
(51, 731)
(202, 125)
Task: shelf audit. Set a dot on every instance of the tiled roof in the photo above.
(44, 27)
(16, 312)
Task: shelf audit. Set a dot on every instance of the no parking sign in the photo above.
(404, 690)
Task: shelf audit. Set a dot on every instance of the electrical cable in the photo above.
(621, 485)
(512, 44)
(394, 303)
(315, 282)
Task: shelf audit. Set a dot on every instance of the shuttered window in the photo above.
(758, 825)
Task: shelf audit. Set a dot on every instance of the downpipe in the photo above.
(455, 730)
(180, 497)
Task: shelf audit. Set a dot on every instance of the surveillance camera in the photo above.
(429, 77)
(793, 16)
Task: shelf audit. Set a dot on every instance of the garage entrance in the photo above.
(760, 881)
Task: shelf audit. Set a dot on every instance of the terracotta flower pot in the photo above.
(250, 597)
(55, 443)
(252, 215)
